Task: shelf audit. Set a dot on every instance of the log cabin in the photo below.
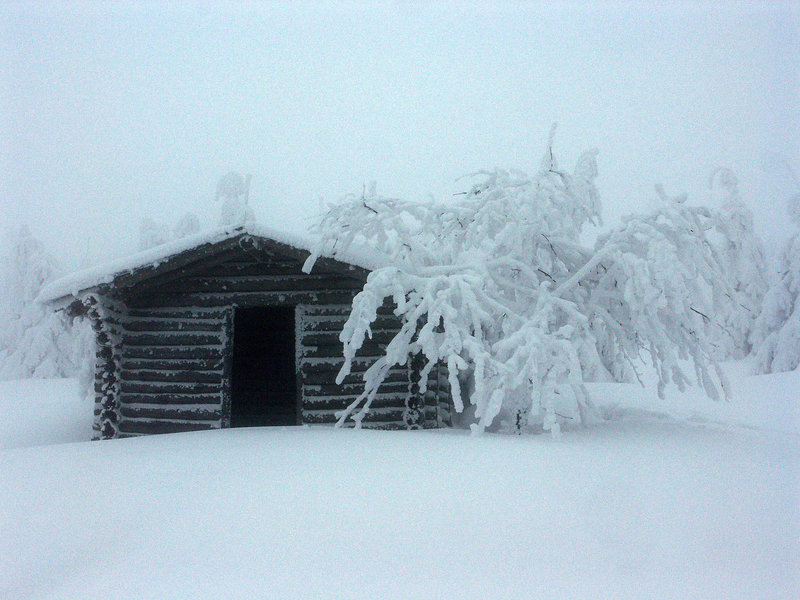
(224, 329)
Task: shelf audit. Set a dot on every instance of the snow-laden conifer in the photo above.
(233, 190)
(498, 288)
(35, 341)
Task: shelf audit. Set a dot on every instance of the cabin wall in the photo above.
(319, 360)
(172, 369)
(177, 341)
(399, 403)
(104, 315)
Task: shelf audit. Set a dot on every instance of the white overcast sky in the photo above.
(115, 112)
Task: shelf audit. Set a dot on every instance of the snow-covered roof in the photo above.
(75, 283)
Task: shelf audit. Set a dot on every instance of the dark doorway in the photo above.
(263, 380)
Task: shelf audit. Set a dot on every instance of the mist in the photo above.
(114, 113)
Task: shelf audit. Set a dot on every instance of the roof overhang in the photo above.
(131, 270)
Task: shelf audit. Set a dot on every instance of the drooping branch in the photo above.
(498, 288)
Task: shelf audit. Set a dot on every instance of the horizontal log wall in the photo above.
(319, 359)
(105, 316)
(175, 355)
(172, 369)
(437, 398)
(176, 344)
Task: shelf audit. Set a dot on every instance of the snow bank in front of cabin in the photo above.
(625, 511)
(36, 412)
(657, 502)
(74, 283)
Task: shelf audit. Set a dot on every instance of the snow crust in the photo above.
(655, 502)
(79, 281)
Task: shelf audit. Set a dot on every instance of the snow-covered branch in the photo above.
(497, 287)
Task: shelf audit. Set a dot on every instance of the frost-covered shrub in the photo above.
(498, 287)
(152, 233)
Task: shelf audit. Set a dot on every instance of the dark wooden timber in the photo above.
(166, 342)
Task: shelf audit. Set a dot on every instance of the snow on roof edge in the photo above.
(74, 283)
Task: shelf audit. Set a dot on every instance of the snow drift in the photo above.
(656, 502)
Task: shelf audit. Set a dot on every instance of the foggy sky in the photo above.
(110, 114)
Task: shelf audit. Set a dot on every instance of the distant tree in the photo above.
(188, 224)
(776, 334)
(744, 264)
(152, 234)
(231, 186)
(35, 341)
(498, 287)
(235, 212)
(233, 189)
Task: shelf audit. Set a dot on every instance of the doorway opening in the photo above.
(263, 378)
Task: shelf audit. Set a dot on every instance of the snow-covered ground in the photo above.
(34, 412)
(666, 499)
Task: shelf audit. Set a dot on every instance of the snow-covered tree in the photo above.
(233, 189)
(152, 234)
(744, 264)
(35, 341)
(188, 224)
(231, 186)
(235, 212)
(776, 334)
(498, 288)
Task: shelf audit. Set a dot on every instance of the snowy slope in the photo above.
(768, 402)
(43, 411)
(646, 505)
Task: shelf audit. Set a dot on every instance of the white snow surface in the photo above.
(35, 412)
(76, 282)
(664, 499)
